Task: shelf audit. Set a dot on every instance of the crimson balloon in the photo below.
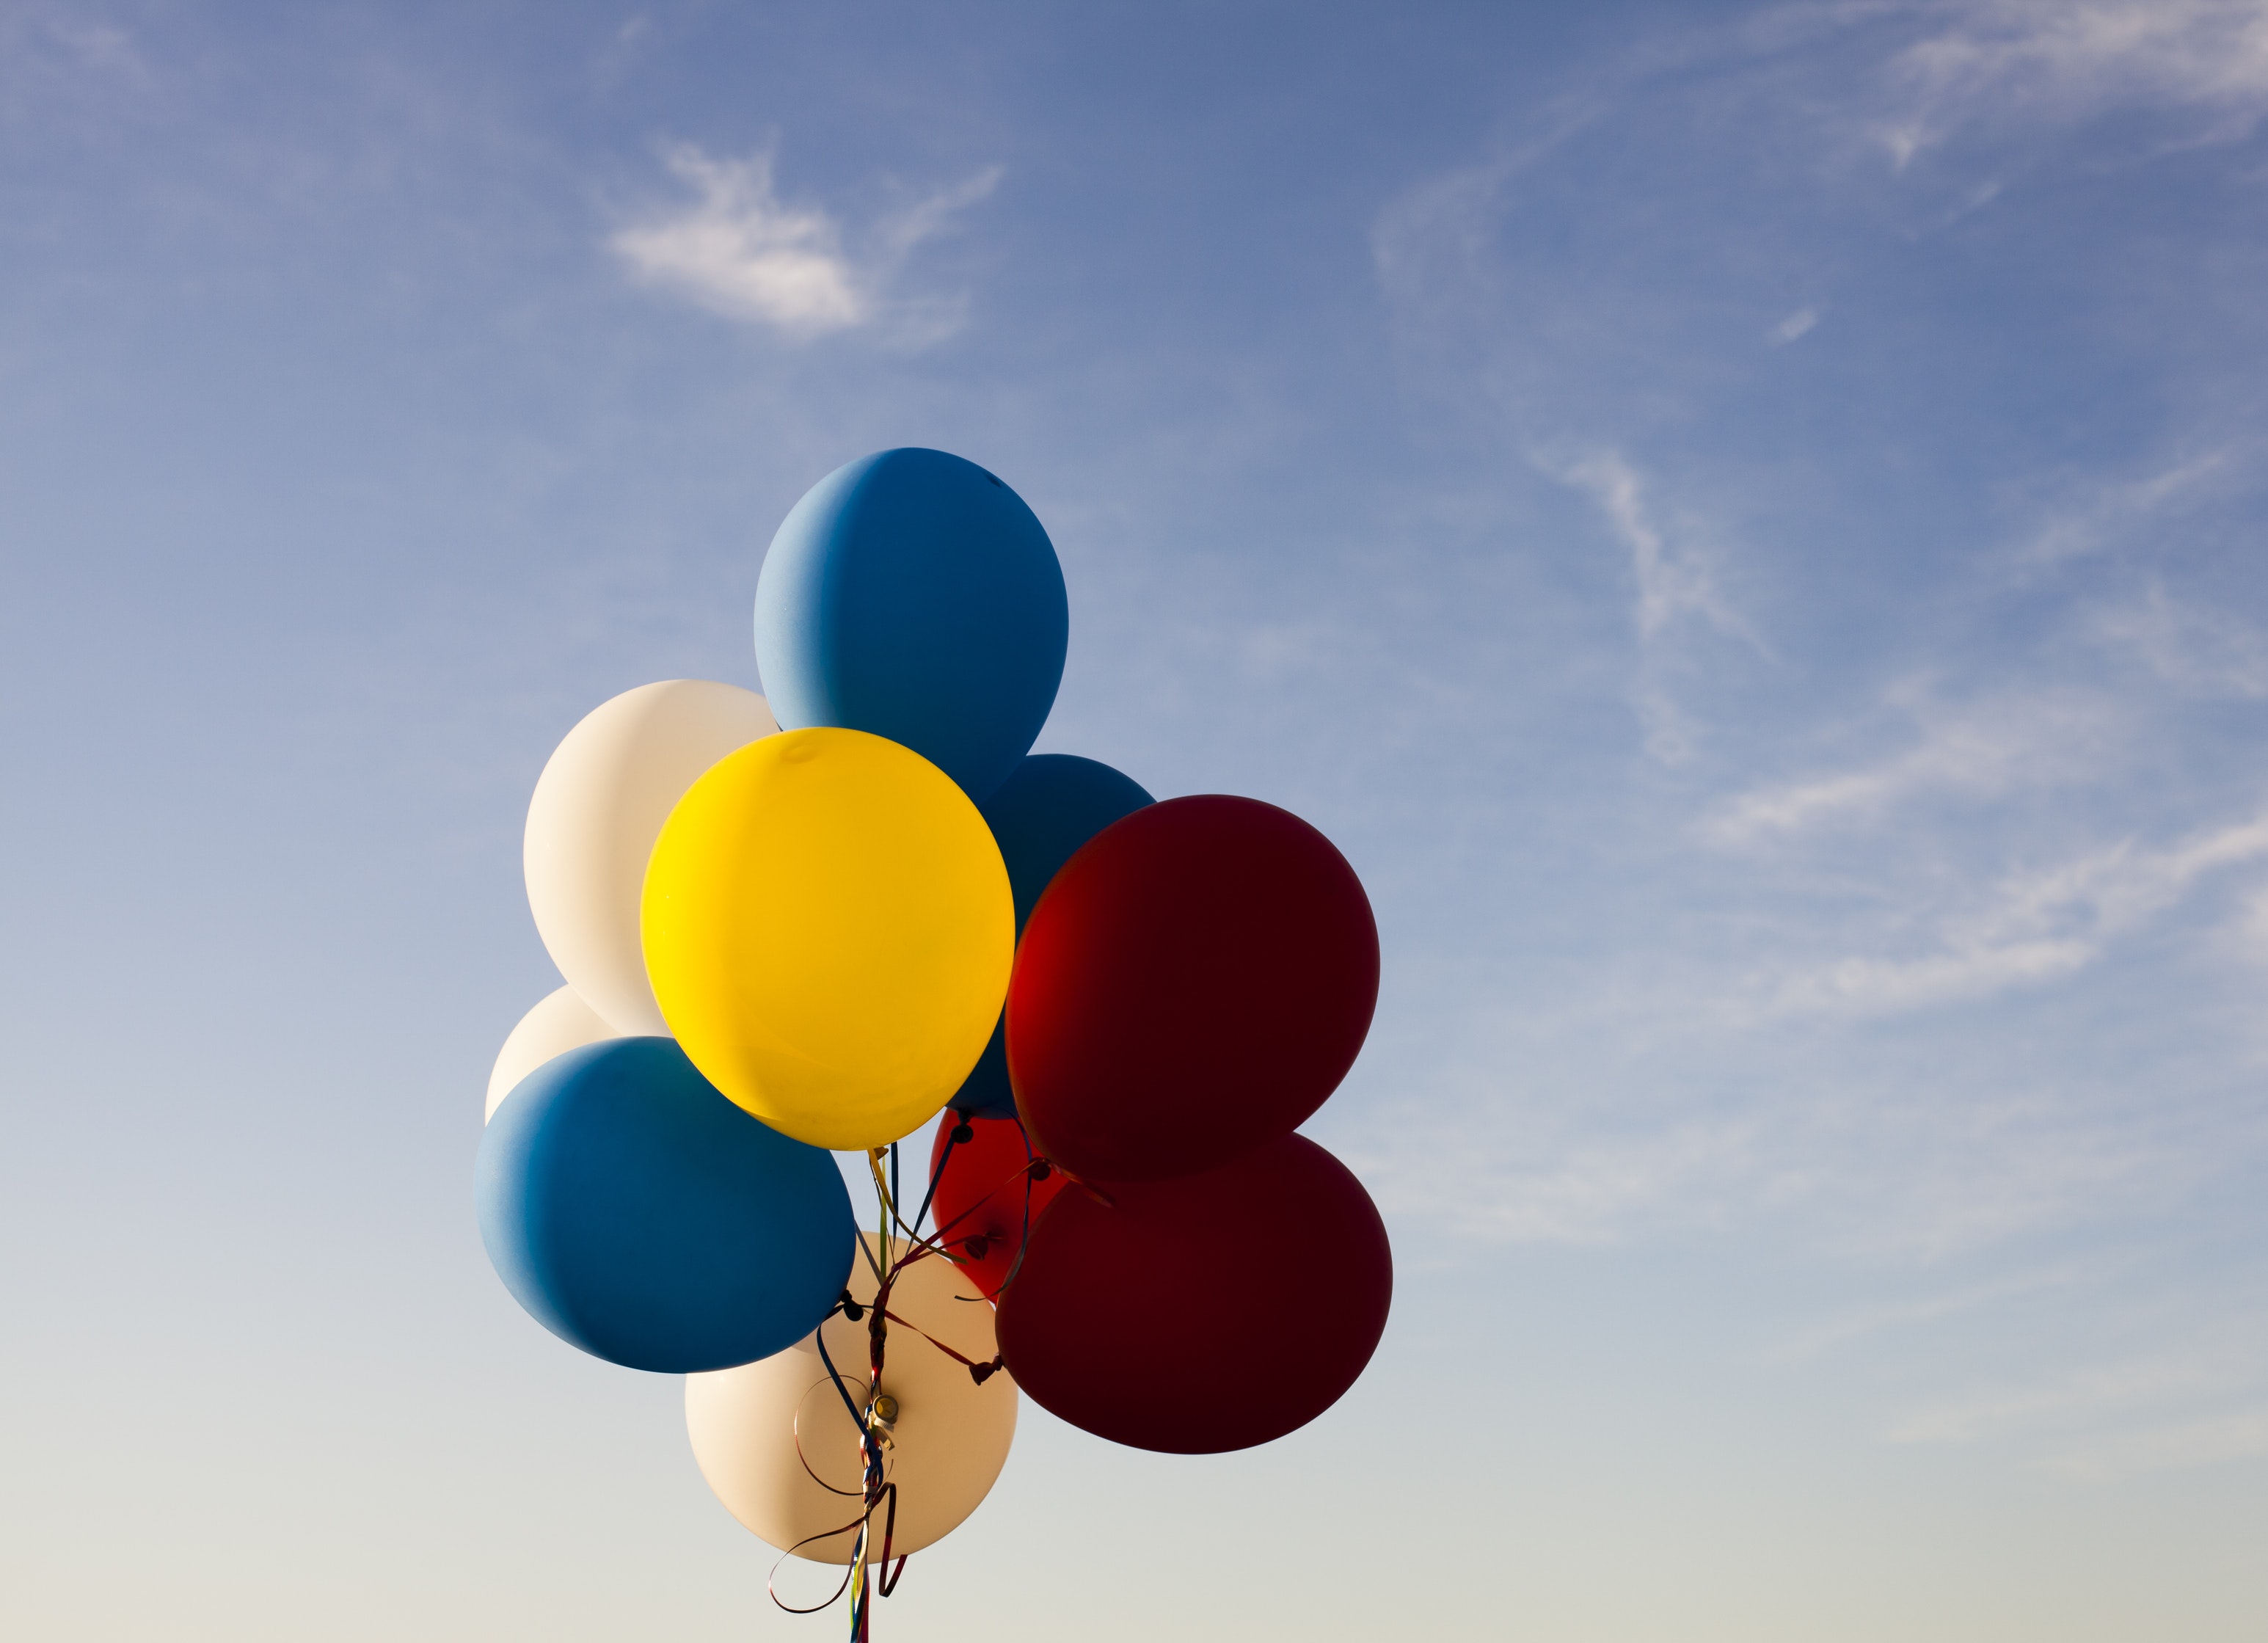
(1205, 1312)
(1195, 982)
(986, 1198)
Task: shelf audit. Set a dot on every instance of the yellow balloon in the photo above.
(828, 927)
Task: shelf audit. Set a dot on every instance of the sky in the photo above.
(1742, 522)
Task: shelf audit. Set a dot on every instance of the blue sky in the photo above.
(1742, 522)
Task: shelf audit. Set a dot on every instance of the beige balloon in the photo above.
(598, 808)
(560, 1023)
(949, 1441)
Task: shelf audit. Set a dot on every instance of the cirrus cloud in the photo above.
(740, 251)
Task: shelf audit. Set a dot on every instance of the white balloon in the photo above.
(560, 1023)
(598, 808)
(948, 1442)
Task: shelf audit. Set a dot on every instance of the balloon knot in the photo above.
(981, 1373)
(851, 1309)
(1042, 1170)
(963, 1133)
(976, 1246)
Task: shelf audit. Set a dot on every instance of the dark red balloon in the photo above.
(980, 1210)
(1206, 1313)
(1196, 981)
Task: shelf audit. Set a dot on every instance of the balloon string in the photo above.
(982, 1372)
(800, 1456)
(1037, 1169)
(875, 1490)
(878, 1330)
(818, 1338)
(878, 1493)
(952, 1140)
(1034, 1170)
(771, 1583)
(889, 1204)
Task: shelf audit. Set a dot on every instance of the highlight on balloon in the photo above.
(807, 925)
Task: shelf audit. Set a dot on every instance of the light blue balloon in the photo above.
(639, 1214)
(912, 595)
(1039, 816)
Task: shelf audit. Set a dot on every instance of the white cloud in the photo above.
(1797, 324)
(2037, 927)
(2112, 513)
(1671, 584)
(1984, 748)
(2197, 1401)
(2202, 653)
(2064, 61)
(738, 251)
(1675, 581)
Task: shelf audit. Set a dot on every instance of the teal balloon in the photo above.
(912, 595)
(639, 1214)
(1039, 816)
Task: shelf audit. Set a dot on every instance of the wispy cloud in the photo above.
(2017, 797)
(2110, 515)
(1674, 580)
(2202, 651)
(1799, 324)
(1998, 61)
(2037, 927)
(738, 250)
(1597, 1191)
(1983, 748)
(2196, 1400)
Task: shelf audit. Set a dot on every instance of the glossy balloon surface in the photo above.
(829, 929)
(1207, 1312)
(1196, 982)
(637, 1213)
(949, 1441)
(912, 594)
(1039, 817)
(560, 1021)
(986, 1198)
(597, 809)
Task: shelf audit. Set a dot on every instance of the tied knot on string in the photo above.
(851, 1309)
(977, 1246)
(981, 1373)
(963, 1132)
(1040, 1170)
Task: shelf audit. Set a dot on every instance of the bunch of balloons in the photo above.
(786, 936)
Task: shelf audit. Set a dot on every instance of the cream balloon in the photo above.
(558, 1024)
(598, 808)
(949, 1438)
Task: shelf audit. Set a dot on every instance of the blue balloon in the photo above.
(912, 595)
(1039, 816)
(639, 1215)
